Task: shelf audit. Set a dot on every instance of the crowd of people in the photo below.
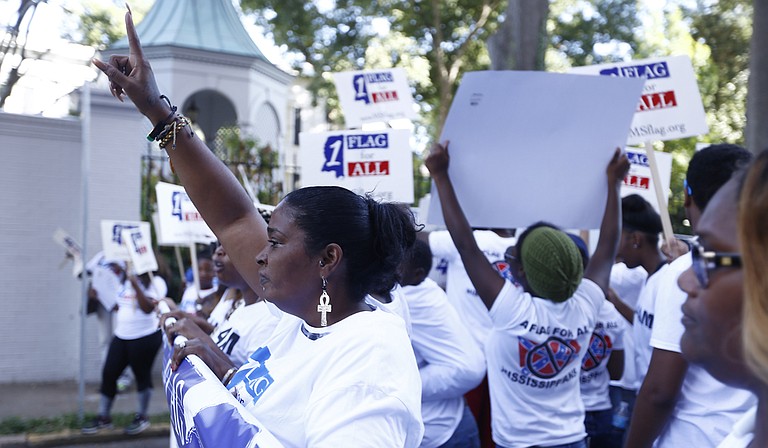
(331, 332)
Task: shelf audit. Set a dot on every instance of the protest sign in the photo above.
(203, 412)
(670, 106)
(112, 237)
(530, 146)
(140, 251)
(369, 96)
(180, 222)
(639, 179)
(72, 249)
(375, 162)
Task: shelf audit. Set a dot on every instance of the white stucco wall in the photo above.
(40, 180)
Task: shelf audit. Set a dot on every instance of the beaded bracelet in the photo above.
(168, 134)
(152, 136)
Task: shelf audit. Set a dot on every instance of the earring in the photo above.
(635, 246)
(325, 304)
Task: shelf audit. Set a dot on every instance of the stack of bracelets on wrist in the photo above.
(165, 131)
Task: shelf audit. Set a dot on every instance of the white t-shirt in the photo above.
(627, 283)
(534, 355)
(130, 321)
(461, 292)
(642, 325)
(743, 431)
(353, 383)
(450, 364)
(246, 330)
(398, 306)
(706, 409)
(188, 302)
(607, 337)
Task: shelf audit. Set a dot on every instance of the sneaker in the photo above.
(139, 424)
(97, 424)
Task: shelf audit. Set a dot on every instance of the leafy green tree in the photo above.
(449, 35)
(594, 31)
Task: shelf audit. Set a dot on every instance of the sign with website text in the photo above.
(532, 146)
(180, 222)
(369, 96)
(639, 180)
(670, 106)
(112, 242)
(375, 162)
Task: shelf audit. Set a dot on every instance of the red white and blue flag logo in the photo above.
(599, 349)
(547, 359)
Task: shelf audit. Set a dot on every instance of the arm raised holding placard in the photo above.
(484, 277)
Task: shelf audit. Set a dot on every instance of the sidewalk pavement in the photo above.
(48, 400)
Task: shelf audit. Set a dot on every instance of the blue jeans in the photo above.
(599, 425)
(466, 434)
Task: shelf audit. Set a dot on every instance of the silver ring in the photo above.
(170, 323)
(182, 344)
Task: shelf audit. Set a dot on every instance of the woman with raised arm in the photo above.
(338, 372)
(541, 326)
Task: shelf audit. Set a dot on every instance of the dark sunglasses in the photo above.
(704, 261)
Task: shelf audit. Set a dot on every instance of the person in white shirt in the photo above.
(205, 277)
(335, 372)
(726, 296)
(640, 229)
(463, 297)
(136, 342)
(450, 364)
(604, 361)
(676, 399)
(246, 326)
(626, 285)
(541, 326)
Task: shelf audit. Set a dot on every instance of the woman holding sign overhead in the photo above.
(136, 342)
(541, 326)
(336, 372)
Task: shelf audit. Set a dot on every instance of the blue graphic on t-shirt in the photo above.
(256, 378)
(334, 155)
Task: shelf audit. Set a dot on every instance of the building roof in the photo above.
(209, 25)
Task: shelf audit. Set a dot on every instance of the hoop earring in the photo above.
(325, 304)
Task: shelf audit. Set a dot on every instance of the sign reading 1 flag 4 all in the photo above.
(375, 162)
(370, 96)
(670, 106)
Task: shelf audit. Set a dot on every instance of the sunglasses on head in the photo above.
(704, 261)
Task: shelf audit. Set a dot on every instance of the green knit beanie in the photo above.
(552, 264)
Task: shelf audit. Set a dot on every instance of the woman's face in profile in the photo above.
(712, 312)
(289, 276)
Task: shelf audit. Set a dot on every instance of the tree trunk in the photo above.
(520, 42)
(757, 97)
